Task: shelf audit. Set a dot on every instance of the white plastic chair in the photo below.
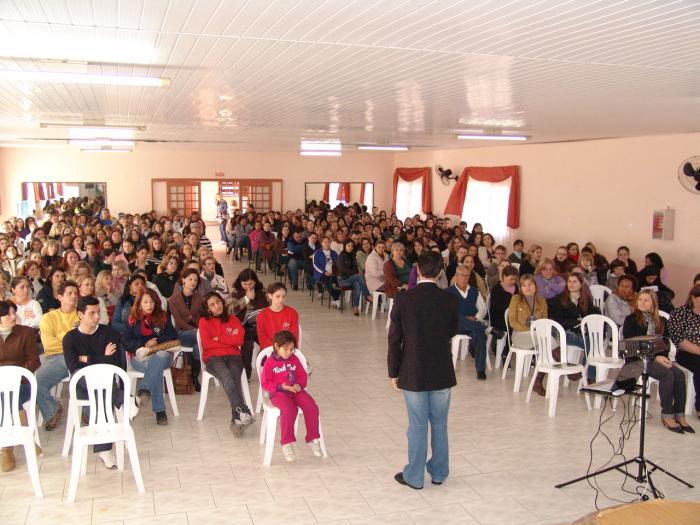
(12, 432)
(689, 385)
(460, 348)
(256, 354)
(523, 357)
(206, 376)
(388, 314)
(167, 377)
(376, 296)
(268, 425)
(102, 426)
(541, 330)
(599, 292)
(595, 339)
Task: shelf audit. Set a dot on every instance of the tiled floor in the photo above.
(506, 455)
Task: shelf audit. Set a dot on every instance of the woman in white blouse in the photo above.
(28, 310)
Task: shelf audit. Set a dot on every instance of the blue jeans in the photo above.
(477, 331)
(222, 231)
(576, 339)
(243, 243)
(152, 370)
(51, 372)
(189, 338)
(359, 287)
(293, 267)
(424, 407)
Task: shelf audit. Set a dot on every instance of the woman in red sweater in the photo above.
(221, 336)
(277, 317)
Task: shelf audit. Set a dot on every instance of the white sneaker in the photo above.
(336, 303)
(109, 459)
(246, 419)
(315, 447)
(133, 408)
(288, 452)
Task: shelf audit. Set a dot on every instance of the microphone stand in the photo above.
(646, 467)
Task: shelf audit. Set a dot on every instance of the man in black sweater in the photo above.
(423, 322)
(89, 344)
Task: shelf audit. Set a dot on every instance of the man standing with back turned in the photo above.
(423, 321)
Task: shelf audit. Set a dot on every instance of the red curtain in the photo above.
(409, 175)
(362, 194)
(39, 192)
(325, 192)
(455, 204)
(25, 191)
(344, 192)
(59, 189)
(50, 191)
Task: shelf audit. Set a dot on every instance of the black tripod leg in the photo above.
(597, 473)
(679, 480)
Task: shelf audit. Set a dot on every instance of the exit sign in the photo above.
(218, 173)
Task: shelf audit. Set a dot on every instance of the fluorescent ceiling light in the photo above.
(83, 78)
(106, 150)
(98, 143)
(377, 147)
(101, 133)
(320, 153)
(309, 145)
(90, 124)
(56, 46)
(477, 136)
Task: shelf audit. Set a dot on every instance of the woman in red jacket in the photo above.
(221, 336)
(276, 317)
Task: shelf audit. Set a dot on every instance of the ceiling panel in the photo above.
(265, 74)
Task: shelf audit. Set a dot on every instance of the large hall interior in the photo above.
(224, 212)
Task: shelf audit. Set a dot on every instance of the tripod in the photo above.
(645, 466)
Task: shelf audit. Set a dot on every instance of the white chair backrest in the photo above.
(99, 380)
(199, 343)
(507, 327)
(299, 341)
(541, 331)
(10, 381)
(515, 265)
(672, 348)
(595, 338)
(598, 291)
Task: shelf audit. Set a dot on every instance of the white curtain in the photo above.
(487, 203)
(408, 198)
(369, 196)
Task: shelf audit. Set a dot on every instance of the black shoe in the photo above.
(197, 384)
(161, 418)
(677, 429)
(401, 481)
(143, 395)
(481, 376)
(687, 428)
(295, 287)
(228, 251)
(435, 482)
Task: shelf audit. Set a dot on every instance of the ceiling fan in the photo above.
(445, 175)
(689, 175)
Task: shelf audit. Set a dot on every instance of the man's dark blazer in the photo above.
(423, 321)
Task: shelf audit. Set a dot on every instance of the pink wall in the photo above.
(602, 191)
(128, 176)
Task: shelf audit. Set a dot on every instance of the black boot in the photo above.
(196, 369)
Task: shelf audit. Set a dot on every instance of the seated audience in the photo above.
(86, 288)
(549, 283)
(28, 310)
(617, 270)
(92, 343)
(562, 262)
(492, 270)
(499, 301)
(349, 275)
(168, 276)
(517, 256)
(684, 330)
(621, 302)
(53, 327)
(295, 258)
(623, 255)
(396, 271)
(186, 308)
(147, 326)
(48, 296)
(17, 348)
(374, 267)
(525, 306)
(645, 320)
(649, 279)
(570, 307)
(472, 311)
(221, 336)
(276, 317)
(532, 260)
(325, 271)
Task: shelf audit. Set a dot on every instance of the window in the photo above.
(408, 198)
(487, 203)
(183, 197)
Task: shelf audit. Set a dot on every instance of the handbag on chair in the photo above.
(181, 371)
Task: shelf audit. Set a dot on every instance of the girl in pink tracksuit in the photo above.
(284, 377)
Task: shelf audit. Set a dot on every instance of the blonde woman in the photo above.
(86, 288)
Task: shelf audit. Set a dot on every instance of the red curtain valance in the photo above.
(326, 190)
(362, 193)
(455, 204)
(409, 175)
